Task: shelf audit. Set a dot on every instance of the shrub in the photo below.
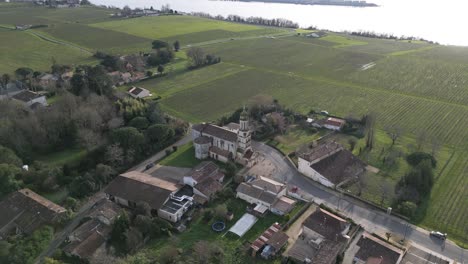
(407, 208)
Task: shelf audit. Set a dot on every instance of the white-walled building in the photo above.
(30, 98)
(139, 92)
(330, 164)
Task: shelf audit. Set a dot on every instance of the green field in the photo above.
(184, 157)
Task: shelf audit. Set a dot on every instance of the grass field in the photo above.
(68, 156)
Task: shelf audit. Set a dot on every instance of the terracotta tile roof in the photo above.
(203, 170)
(323, 150)
(268, 184)
(326, 224)
(284, 204)
(136, 186)
(374, 250)
(273, 236)
(215, 131)
(340, 166)
(209, 187)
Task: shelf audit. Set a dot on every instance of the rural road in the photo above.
(371, 219)
(84, 210)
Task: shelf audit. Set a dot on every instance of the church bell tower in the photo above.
(244, 134)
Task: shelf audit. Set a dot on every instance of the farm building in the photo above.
(330, 164)
(332, 123)
(24, 211)
(167, 200)
(206, 179)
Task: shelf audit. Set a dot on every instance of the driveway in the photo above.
(372, 219)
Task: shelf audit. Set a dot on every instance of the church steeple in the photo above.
(244, 136)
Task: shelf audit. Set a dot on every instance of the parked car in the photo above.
(438, 234)
(149, 166)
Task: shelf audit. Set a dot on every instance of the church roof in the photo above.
(215, 131)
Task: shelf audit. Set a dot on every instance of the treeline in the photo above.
(275, 22)
(371, 34)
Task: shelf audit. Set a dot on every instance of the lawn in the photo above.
(57, 197)
(68, 156)
(294, 138)
(186, 29)
(183, 157)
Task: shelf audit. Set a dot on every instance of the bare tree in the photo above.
(202, 252)
(362, 182)
(196, 57)
(394, 132)
(385, 191)
(115, 155)
(370, 130)
(89, 139)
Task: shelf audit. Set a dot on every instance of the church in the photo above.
(230, 142)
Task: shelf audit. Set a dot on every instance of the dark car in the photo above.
(438, 234)
(149, 166)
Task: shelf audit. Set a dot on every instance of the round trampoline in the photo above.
(218, 226)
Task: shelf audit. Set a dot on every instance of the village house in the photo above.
(84, 241)
(11, 89)
(269, 242)
(206, 180)
(138, 92)
(167, 200)
(266, 194)
(47, 80)
(370, 249)
(331, 123)
(24, 211)
(323, 237)
(330, 164)
(31, 99)
(224, 144)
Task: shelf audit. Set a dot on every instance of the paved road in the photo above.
(373, 220)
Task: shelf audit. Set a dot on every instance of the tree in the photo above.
(114, 155)
(143, 208)
(23, 73)
(119, 228)
(5, 79)
(128, 138)
(159, 44)
(104, 174)
(176, 45)
(7, 156)
(133, 239)
(8, 181)
(89, 139)
(370, 130)
(71, 203)
(415, 158)
(160, 69)
(159, 134)
(407, 208)
(139, 123)
(52, 261)
(352, 144)
(27, 249)
(394, 132)
(196, 57)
